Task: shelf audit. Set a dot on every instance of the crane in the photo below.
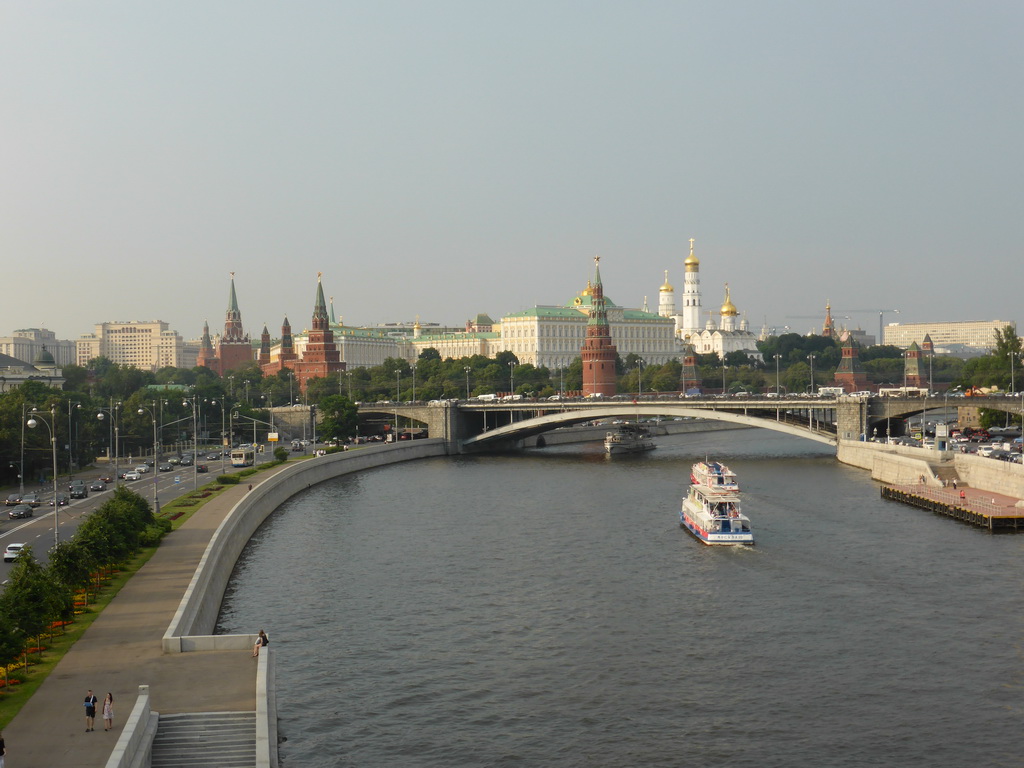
(881, 314)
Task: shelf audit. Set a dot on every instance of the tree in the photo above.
(340, 417)
(430, 354)
(28, 600)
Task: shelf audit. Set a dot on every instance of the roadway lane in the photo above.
(37, 531)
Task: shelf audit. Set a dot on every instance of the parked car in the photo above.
(12, 552)
(62, 500)
(32, 499)
(20, 511)
(98, 485)
(133, 475)
(13, 500)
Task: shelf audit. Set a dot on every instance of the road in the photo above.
(37, 531)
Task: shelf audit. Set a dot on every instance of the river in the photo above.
(546, 609)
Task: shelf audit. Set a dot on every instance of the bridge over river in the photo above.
(475, 425)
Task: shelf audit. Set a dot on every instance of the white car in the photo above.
(12, 551)
(133, 475)
(142, 469)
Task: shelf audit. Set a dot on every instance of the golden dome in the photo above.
(667, 287)
(692, 263)
(588, 290)
(728, 308)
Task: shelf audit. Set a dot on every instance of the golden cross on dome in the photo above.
(318, 275)
(232, 275)
(691, 243)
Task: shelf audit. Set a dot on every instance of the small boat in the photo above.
(712, 512)
(714, 475)
(628, 438)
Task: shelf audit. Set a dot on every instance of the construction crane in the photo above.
(881, 315)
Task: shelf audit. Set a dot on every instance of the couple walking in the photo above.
(90, 711)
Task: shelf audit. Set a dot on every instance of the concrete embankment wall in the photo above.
(904, 465)
(194, 622)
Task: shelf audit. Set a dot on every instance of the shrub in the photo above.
(281, 454)
(228, 479)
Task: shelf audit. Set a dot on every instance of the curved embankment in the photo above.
(191, 629)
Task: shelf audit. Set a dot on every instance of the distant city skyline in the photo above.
(445, 159)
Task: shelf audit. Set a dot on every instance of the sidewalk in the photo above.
(121, 650)
(974, 499)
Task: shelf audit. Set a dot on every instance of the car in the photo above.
(62, 500)
(174, 460)
(20, 511)
(32, 499)
(142, 469)
(213, 457)
(12, 552)
(186, 461)
(78, 489)
(132, 475)
(98, 485)
(202, 468)
(107, 478)
(13, 500)
(165, 466)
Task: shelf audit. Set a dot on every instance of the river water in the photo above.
(546, 609)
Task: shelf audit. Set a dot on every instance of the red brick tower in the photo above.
(829, 328)
(287, 344)
(598, 352)
(912, 366)
(207, 358)
(850, 375)
(321, 356)
(264, 358)
(689, 378)
(235, 347)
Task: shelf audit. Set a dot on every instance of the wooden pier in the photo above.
(980, 508)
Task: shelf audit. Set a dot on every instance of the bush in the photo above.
(281, 454)
(152, 534)
(228, 479)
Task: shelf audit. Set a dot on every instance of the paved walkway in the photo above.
(121, 651)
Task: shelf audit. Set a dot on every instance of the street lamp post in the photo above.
(811, 358)
(467, 370)
(52, 427)
(113, 411)
(71, 452)
(398, 386)
(512, 376)
(195, 458)
(639, 379)
(724, 369)
(777, 388)
(156, 461)
(414, 383)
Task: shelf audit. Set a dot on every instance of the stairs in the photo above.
(947, 474)
(213, 739)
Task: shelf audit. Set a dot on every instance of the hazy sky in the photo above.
(442, 159)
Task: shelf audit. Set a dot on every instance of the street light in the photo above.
(512, 376)
(113, 411)
(71, 452)
(52, 427)
(156, 461)
(811, 358)
(195, 436)
(640, 379)
(467, 369)
(398, 386)
(777, 389)
(414, 382)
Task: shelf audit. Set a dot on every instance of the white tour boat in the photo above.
(714, 475)
(628, 438)
(711, 512)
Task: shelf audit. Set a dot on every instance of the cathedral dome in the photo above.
(692, 263)
(44, 358)
(667, 286)
(728, 308)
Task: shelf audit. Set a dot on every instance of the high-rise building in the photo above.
(25, 344)
(148, 345)
(978, 334)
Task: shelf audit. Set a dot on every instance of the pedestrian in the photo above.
(963, 495)
(3, 749)
(250, 486)
(108, 712)
(261, 640)
(954, 483)
(90, 710)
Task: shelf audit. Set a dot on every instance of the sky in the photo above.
(441, 159)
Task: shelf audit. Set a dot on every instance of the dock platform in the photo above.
(969, 505)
